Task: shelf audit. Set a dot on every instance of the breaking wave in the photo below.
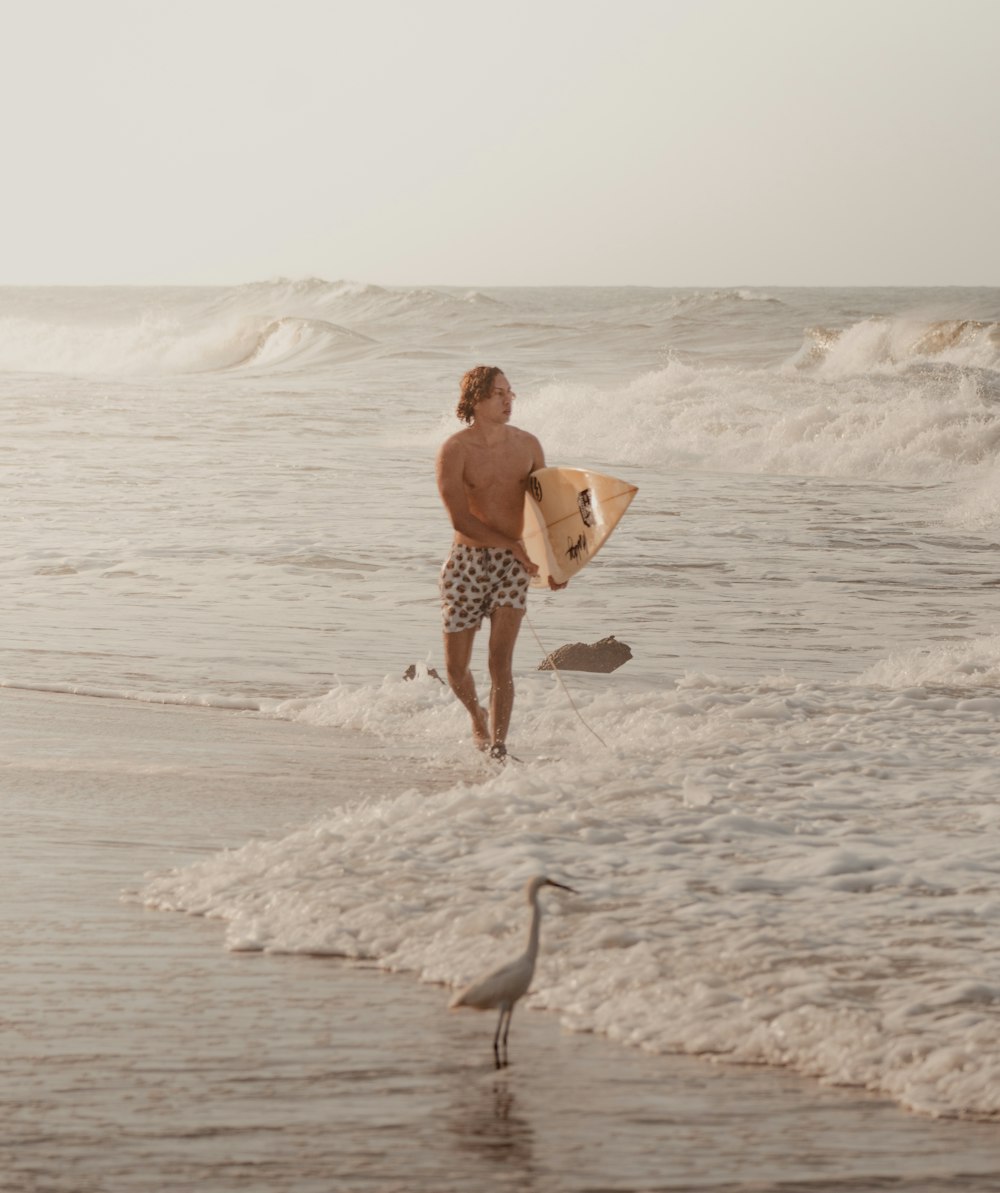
(889, 345)
(930, 425)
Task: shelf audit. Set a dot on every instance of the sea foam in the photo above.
(782, 898)
(895, 429)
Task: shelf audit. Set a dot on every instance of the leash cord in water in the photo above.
(562, 684)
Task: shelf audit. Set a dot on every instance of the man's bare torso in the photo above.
(494, 476)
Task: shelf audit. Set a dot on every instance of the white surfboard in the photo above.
(568, 515)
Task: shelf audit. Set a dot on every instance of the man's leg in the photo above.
(457, 656)
(505, 623)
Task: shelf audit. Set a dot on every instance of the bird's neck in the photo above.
(533, 931)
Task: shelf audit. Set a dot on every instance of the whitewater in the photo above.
(778, 815)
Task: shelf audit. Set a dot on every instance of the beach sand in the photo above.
(139, 1055)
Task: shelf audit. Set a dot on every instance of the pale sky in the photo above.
(533, 142)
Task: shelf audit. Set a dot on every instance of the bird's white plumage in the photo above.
(501, 988)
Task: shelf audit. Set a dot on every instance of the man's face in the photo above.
(497, 406)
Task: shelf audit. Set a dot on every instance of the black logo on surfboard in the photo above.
(535, 485)
(586, 507)
(575, 550)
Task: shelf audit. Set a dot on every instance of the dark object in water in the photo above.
(411, 673)
(607, 655)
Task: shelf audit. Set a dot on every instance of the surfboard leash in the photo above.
(562, 684)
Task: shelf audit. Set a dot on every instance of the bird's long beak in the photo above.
(561, 886)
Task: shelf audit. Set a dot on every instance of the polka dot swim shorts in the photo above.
(477, 580)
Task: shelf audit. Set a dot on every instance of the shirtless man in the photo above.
(482, 474)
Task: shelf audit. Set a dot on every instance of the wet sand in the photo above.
(137, 1054)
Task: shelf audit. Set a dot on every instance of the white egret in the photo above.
(504, 986)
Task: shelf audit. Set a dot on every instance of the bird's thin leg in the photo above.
(506, 1033)
(496, 1039)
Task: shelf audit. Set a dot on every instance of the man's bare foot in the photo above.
(499, 753)
(481, 729)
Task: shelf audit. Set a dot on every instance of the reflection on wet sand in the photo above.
(487, 1122)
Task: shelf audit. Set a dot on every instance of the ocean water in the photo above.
(778, 815)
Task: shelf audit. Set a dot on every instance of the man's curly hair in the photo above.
(476, 385)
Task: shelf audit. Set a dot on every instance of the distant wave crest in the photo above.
(281, 325)
(295, 342)
(707, 301)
